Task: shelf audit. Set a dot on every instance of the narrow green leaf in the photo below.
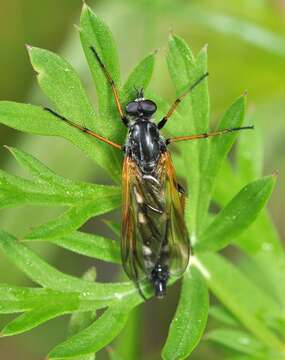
(236, 292)
(81, 320)
(139, 78)
(190, 319)
(47, 276)
(61, 84)
(250, 155)
(218, 150)
(15, 299)
(76, 216)
(237, 215)
(261, 239)
(237, 340)
(35, 120)
(16, 191)
(221, 314)
(94, 246)
(94, 32)
(36, 168)
(129, 341)
(37, 316)
(184, 71)
(97, 335)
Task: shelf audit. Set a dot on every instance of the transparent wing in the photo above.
(177, 245)
(153, 228)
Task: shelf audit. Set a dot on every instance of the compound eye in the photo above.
(148, 107)
(132, 107)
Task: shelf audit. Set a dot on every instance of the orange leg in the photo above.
(206, 135)
(84, 129)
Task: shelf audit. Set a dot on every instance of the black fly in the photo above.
(155, 243)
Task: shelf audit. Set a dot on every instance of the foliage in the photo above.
(252, 318)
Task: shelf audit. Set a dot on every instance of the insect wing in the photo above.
(128, 239)
(177, 247)
(153, 228)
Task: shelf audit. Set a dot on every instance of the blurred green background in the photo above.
(246, 45)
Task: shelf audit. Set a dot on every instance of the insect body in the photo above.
(155, 243)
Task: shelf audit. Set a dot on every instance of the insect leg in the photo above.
(84, 129)
(206, 135)
(113, 86)
(173, 107)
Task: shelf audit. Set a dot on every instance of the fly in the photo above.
(154, 242)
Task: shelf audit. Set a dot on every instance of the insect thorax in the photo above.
(144, 144)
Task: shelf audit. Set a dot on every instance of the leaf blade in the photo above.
(96, 336)
(73, 218)
(190, 320)
(139, 78)
(94, 246)
(237, 216)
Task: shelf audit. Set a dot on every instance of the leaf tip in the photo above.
(85, 7)
(8, 147)
(29, 47)
(155, 52)
(78, 28)
(205, 48)
(275, 174)
(171, 32)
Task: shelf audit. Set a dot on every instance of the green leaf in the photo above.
(250, 155)
(48, 188)
(237, 340)
(61, 84)
(221, 314)
(75, 217)
(128, 343)
(37, 316)
(46, 275)
(37, 169)
(237, 215)
(236, 292)
(90, 245)
(15, 299)
(96, 336)
(35, 120)
(81, 320)
(218, 150)
(190, 319)
(94, 32)
(185, 70)
(139, 78)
